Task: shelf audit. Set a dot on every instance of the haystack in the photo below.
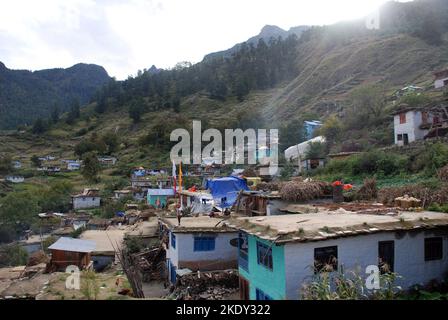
(303, 191)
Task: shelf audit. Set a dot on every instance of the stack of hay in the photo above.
(368, 191)
(304, 191)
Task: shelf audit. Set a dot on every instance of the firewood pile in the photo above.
(151, 263)
(212, 285)
(427, 195)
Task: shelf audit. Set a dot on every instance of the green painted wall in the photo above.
(153, 199)
(272, 283)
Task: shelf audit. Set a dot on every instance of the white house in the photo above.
(277, 262)
(89, 198)
(199, 244)
(73, 166)
(441, 79)
(15, 179)
(300, 150)
(409, 125)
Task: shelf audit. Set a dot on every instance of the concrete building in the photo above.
(311, 127)
(89, 198)
(158, 198)
(277, 262)
(198, 243)
(441, 79)
(15, 179)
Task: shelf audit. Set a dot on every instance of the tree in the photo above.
(40, 126)
(136, 110)
(291, 134)
(368, 103)
(55, 114)
(35, 161)
(101, 105)
(317, 150)
(18, 210)
(75, 112)
(13, 255)
(5, 164)
(331, 129)
(91, 167)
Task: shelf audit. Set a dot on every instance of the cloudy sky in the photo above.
(127, 35)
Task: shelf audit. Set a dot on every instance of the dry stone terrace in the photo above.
(326, 225)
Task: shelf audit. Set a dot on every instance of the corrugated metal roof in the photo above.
(73, 245)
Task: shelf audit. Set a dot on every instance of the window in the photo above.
(402, 118)
(424, 117)
(326, 259)
(400, 137)
(433, 249)
(173, 240)
(261, 295)
(204, 243)
(386, 256)
(264, 255)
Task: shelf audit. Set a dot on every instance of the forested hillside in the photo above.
(26, 96)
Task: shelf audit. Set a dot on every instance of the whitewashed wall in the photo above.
(363, 251)
(411, 127)
(86, 202)
(185, 248)
(440, 83)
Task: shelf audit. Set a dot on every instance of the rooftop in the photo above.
(196, 224)
(105, 240)
(334, 224)
(73, 245)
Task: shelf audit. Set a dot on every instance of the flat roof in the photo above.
(105, 240)
(334, 224)
(145, 229)
(73, 245)
(196, 224)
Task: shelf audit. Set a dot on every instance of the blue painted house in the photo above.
(278, 255)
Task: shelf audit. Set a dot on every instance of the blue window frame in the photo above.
(173, 240)
(204, 243)
(264, 255)
(261, 295)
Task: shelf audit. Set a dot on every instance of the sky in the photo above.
(125, 36)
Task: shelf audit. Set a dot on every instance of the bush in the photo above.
(11, 256)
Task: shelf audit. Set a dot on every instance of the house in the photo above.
(15, 179)
(68, 251)
(441, 79)
(310, 128)
(49, 169)
(106, 244)
(198, 244)
(299, 151)
(259, 203)
(107, 161)
(89, 198)
(158, 198)
(73, 166)
(16, 164)
(418, 123)
(411, 89)
(279, 254)
(200, 202)
(147, 232)
(98, 224)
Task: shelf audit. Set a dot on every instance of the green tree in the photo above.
(291, 134)
(13, 255)
(35, 161)
(18, 210)
(40, 126)
(136, 109)
(55, 113)
(74, 113)
(91, 167)
(367, 106)
(5, 164)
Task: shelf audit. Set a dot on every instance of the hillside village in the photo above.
(362, 180)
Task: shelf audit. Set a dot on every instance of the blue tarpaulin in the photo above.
(225, 190)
